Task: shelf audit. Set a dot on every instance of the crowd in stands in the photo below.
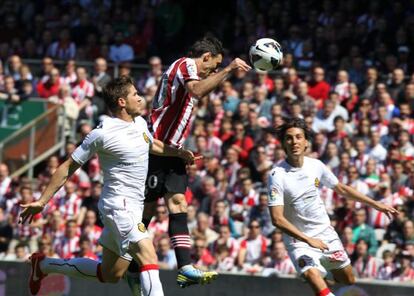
(347, 71)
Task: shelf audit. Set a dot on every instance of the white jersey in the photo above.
(297, 189)
(123, 149)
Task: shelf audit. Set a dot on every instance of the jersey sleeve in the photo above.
(89, 147)
(189, 70)
(328, 179)
(145, 128)
(275, 189)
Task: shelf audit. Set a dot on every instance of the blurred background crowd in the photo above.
(347, 71)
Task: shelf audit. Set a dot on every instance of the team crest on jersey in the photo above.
(141, 227)
(146, 138)
(317, 182)
(273, 194)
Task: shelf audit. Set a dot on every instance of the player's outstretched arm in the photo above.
(349, 192)
(279, 220)
(161, 149)
(201, 88)
(63, 172)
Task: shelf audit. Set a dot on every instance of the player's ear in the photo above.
(121, 102)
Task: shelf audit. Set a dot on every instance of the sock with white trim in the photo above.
(150, 280)
(180, 238)
(82, 268)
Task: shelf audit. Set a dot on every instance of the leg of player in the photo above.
(132, 276)
(144, 253)
(180, 241)
(109, 271)
(344, 275)
(315, 279)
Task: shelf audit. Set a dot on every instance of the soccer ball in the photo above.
(266, 54)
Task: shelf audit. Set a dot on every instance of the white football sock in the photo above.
(150, 282)
(77, 267)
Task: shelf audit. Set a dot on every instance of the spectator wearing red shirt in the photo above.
(51, 86)
(201, 255)
(318, 87)
(240, 142)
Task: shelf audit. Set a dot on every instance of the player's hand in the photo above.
(189, 157)
(387, 210)
(30, 210)
(239, 64)
(317, 243)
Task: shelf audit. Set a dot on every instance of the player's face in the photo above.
(133, 102)
(210, 64)
(295, 142)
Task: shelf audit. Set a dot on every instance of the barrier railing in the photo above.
(34, 142)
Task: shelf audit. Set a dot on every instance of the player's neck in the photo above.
(295, 160)
(123, 115)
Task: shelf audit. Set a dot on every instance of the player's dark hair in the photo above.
(290, 123)
(115, 89)
(207, 44)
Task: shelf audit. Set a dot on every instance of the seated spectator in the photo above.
(69, 76)
(324, 119)
(362, 231)
(158, 227)
(224, 262)
(166, 255)
(318, 87)
(120, 51)
(83, 91)
(201, 255)
(64, 48)
(220, 216)
(279, 262)
(365, 265)
(225, 238)
(10, 92)
(203, 229)
(405, 272)
(252, 249)
(91, 231)
(387, 269)
(86, 249)
(346, 238)
(50, 86)
(46, 246)
(68, 203)
(260, 213)
(5, 181)
(67, 246)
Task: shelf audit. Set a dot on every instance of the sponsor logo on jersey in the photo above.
(317, 182)
(141, 227)
(146, 138)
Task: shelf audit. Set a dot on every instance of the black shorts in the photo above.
(165, 175)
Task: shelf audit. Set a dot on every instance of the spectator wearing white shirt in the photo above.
(120, 51)
(377, 151)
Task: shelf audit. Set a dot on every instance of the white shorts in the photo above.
(121, 228)
(305, 257)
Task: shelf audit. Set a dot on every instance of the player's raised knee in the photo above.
(311, 273)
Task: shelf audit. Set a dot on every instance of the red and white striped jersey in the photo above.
(284, 266)
(66, 248)
(24, 230)
(231, 243)
(81, 90)
(367, 268)
(68, 207)
(406, 276)
(385, 271)
(173, 104)
(378, 219)
(256, 248)
(93, 233)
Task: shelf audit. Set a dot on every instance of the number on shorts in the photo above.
(152, 181)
